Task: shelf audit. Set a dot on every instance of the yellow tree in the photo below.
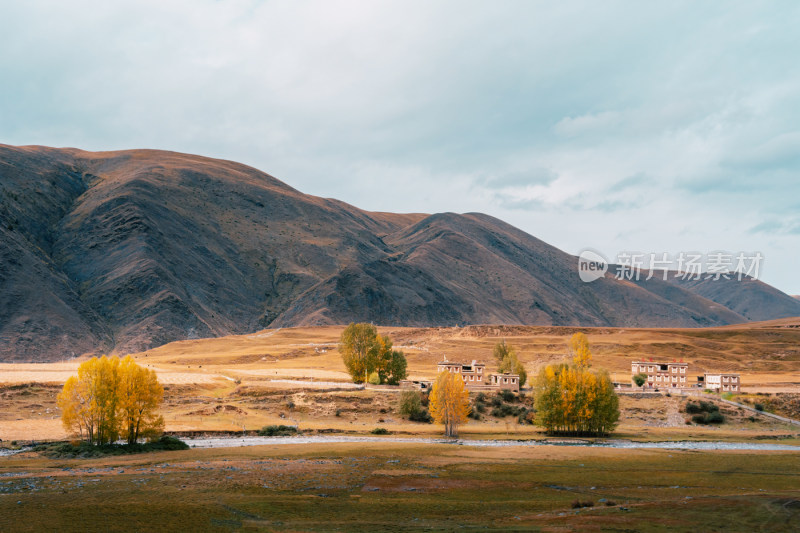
(140, 395)
(449, 402)
(88, 402)
(109, 398)
(581, 354)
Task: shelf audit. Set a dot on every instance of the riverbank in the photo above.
(376, 484)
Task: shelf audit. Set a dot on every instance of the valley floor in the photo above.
(383, 486)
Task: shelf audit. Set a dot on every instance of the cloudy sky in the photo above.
(621, 126)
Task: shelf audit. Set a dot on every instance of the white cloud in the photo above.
(616, 125)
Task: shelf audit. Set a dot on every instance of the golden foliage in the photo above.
(572, 399)
(110, 398)
(449, 402)
(581, 354)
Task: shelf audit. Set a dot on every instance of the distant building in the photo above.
(506, 382)
(474, 376)
(471, 373)
(421, 385)
(661, 375)
(722, 382)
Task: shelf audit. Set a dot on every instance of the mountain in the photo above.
(129, 250)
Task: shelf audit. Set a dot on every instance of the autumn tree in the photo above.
(574, 399)
(364, 352)
(449, 402)
(107, 397)
(507, 361)
(139, 396)
(579, 348)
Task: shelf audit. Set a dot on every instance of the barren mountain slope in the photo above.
(129, 250)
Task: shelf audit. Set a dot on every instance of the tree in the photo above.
(410, 403)
(639, 379)
(449, 402)
(573, 399)
(140, 395)
(359, 350)
(89, 402)
(579, 347)
(396, 368)
(109, 398)
(507, 361)
(364, 352)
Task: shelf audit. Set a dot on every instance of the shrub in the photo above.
(480, 398)
(708, 407)
(474, 414)
(759, 406)
(277, 431)
(290, 404)
(693, 408)
(577, 504)
(410, 402)
(714, 417)
(374, 379)
(497, 401)
(421, 416)
(380, 431)
(506, 395)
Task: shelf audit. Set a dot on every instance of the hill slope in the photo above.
(129, 250)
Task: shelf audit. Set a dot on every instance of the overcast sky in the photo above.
(620, 126)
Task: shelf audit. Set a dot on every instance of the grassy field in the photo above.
(394, 487)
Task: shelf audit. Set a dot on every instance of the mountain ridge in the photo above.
(127, 250)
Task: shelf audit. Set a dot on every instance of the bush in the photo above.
(421, 416)
(506, 395)
(277, 431)
(380, 431)
(759, 406)
(84, 449)
(702, 407)
(577, 504)
(714, 417)
(708, 407)
(693, 408)
(474, 414)
(497, 401)
(374, 379)
(410, 403)
(480, 398)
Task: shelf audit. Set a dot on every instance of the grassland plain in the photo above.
(404, 487)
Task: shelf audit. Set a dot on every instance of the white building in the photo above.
(722, 382)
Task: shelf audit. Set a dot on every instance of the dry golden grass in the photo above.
(228, 384)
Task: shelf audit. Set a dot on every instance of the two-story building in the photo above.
(661, 375)
(474, 376)
(722, 382)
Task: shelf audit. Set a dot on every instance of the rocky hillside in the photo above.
(129, 250)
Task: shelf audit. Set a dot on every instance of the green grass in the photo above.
(399, 487)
